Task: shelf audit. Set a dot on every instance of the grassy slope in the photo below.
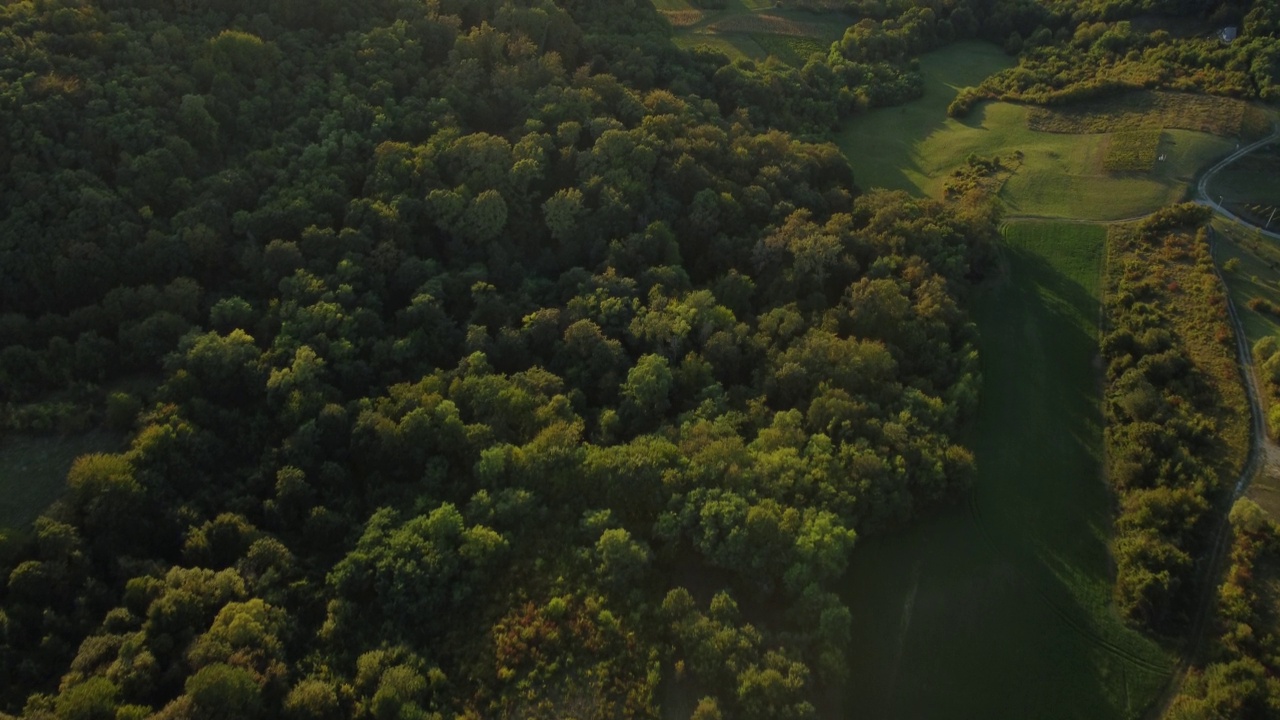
(913, 147)
(33, 471)
(1002, 609)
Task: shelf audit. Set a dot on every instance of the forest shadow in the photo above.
(987, 611)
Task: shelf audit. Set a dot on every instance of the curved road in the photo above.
(1202, 193)
(1263, 452)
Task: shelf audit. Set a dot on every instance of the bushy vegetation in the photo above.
(1080, 59)
(1266, 358)
(1239, 679)
(473, 331)
(1176, 414)
(1155, 109)
(980, 176)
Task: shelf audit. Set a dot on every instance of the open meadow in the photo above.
(1006, 609)
(1003, 607)
(915, 147)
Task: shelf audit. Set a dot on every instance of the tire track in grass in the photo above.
(1066, 615)
(1041, 580)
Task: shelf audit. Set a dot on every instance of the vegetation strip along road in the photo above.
(1262, 451)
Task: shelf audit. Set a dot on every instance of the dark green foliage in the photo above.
(457, 335)
(1266, 356)
(1238, 680)
(1169, 447)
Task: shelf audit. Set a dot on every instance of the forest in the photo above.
(472, 364)
(483, 358)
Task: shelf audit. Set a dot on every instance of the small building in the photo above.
(1228, 34)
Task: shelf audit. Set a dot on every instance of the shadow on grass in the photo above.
(999, 609)
(33, 470)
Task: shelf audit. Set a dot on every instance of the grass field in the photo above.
(33, 471)
(914, 147)
(1002, 609)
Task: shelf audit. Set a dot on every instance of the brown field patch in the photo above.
(683, 18)
(768, 24)
(1226, 117)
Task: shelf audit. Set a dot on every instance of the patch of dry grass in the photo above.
(1132, 151)
(764, 23)
(683, 18)
(1226, 117)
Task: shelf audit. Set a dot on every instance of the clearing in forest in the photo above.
(754, 29)
(1003, 608)
(33, 471)
(915, 147)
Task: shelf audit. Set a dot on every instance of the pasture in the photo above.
(1002, 608)
(915, 147)
(33, 470)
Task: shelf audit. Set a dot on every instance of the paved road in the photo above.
(1263, 453)
(1202, 194)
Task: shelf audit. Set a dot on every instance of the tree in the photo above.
(93, 699)
(107, 501)
(413, 578)
(646, 392)
(619, 559)
(313, 699)
(224, 692)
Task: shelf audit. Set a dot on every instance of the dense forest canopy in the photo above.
(475, 360)
(485, 358)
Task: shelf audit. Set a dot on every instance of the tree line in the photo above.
(1177, 429)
